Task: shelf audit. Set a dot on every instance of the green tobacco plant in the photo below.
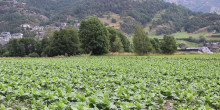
(111, 83)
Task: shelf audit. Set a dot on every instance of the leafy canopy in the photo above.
(142, 44)
(94, 36)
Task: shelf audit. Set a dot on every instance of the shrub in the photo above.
(33, 55)
(114, 20)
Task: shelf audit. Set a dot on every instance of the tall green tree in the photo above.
(113, 34)
(126, 43)
(65, 41)
(169, 45)
(29, 45)
(141, 42)
(2, 50)
(112, 37)
(16, 48)
(94, 36)
(46, 41)
(156, 45)
(39, 48)
(117, 45)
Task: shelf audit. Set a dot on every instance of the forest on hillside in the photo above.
(172, 18)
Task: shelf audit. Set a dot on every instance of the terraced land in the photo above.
(111, 83)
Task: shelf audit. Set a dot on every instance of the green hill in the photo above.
(157, 16)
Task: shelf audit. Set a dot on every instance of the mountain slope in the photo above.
(132, 12)
(12, 17)
(157, 16)
(199, 5)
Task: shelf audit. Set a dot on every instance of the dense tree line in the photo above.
(165, 30)
(203, 20)
(175, 17)
(92, 38)
(201, 39)
(215, 27)
(22, 47)
(64, 42)
(144, 45)
(178, 18)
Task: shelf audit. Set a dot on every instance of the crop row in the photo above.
(110, 83)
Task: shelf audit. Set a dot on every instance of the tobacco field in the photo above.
(111, 83)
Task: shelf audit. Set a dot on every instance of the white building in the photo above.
(5, 36)
(52, 27)
(17, 36)
(63, 25)
(38, 28)
(25, 26)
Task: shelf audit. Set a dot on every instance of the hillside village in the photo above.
(16, 3)
(5, 37)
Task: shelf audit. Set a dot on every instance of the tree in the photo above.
(117, 45)
(94, 36)
(156, 45)
(114, 20)
(112, 37)
(169, 45)
(16, 49)
(65, 41)
(125, 42)
(33, 55)
(39, 48)
(141, 42)
(49, 33)
(113, 34)
(46, 41)
(2, 51)
(29, 45)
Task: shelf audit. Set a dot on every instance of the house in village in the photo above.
(26, 26)
(16, 3)
(12, 1)
(215, 46)
(38, 28)
(53, 27)
(47, 27)
(17, 36)
(5, 36)
(63, 25)
(22, 4)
